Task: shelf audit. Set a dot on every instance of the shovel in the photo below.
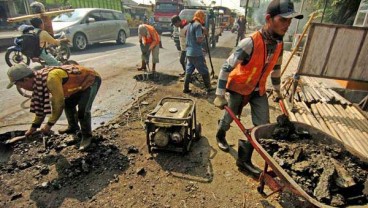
(209, 56)
(19, 138)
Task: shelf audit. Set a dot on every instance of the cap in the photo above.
(175, 19)
(142, 30)
(18, 72)
(284, 8)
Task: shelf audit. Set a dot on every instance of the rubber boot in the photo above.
(73, 127)
(221, 140)
(143, 67)
(86, 141)
(86, 127)
(153, 68)
(207, 82)
(187, 79)
(244, 161)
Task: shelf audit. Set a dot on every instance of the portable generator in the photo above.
(172, 125)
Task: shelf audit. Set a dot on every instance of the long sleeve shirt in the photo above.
(55, 85)
(242, 55)
(46, 39)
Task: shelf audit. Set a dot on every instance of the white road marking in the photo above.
(97, 57)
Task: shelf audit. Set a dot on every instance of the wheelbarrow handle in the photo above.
(241, 126)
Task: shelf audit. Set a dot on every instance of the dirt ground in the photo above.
(118, 171)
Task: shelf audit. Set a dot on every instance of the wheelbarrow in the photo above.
(277, 179)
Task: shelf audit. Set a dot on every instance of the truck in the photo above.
(164, 10)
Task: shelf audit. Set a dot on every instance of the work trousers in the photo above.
(49, 59)
(196, 62)
(183, 55)
(83, 100)
(259, 109)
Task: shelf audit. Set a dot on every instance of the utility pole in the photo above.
(297, 23)
(245, 17)
(324, 10)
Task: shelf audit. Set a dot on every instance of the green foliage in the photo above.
(337, 11)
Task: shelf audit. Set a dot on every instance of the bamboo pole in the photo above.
(348, 136)
(329, 122)
(347, 123)
(350, 116)
(290, 113)
(25, 17)
(320, 120)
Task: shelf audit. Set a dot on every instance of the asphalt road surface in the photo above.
(117, 66)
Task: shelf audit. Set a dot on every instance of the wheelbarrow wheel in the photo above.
(197, 132)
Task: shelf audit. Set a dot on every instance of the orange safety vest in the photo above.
(78, 82)
(152, 33)
(243, 79)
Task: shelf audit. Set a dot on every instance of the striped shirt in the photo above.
(243, 54)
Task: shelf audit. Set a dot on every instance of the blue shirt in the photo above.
(193, 47)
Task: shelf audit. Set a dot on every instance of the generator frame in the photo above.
(192, 129)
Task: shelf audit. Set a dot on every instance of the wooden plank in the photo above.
(331, 53)
(314, 56)
(360, 71)
(343, 53)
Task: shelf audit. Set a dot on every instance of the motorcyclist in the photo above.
(39, 8)
(45, 40)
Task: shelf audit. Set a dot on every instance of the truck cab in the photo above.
(164, 10)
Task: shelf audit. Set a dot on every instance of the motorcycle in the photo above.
(14, 53)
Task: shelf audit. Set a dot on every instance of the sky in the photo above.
(232, 4)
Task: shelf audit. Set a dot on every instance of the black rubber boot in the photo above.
(244, 161)
(86, 127)
(221, 140)
(207, 82)
(187, 79)
(73, 126)
(86, 141)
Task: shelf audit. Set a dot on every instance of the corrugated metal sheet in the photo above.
(336, 51)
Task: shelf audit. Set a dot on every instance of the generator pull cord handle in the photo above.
(209, 56)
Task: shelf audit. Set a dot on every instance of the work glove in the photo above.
(220, 101)
(276, 94)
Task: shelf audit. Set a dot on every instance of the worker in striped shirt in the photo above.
(244, 76)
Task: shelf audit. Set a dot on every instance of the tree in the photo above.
(337, 11)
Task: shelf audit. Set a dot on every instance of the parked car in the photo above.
(92, 25)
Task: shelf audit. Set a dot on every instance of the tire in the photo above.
(198, 132)
(64, 52)
(13, 56)
(24, 93)
(70, 62)
(80, 41)
(121, 37)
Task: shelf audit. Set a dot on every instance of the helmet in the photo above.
(37, 7)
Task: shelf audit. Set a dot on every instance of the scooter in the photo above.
(14, 53)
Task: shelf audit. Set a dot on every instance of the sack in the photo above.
(31, 44)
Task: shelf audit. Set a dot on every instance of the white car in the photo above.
(92, 25)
